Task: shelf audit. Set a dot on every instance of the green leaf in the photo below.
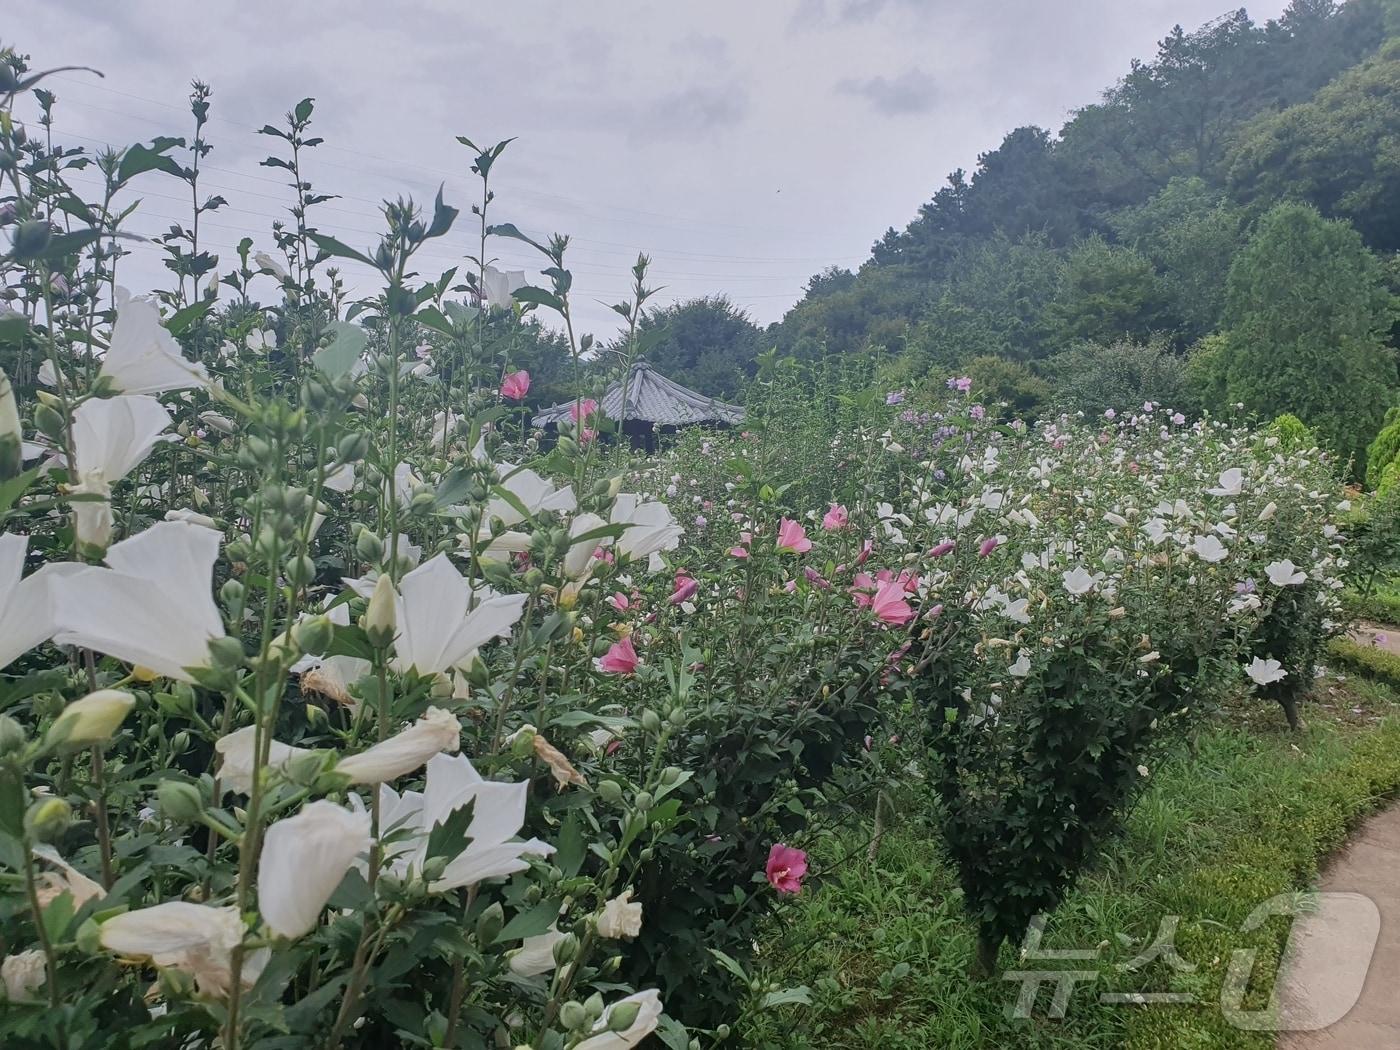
(444, 215)
(800, 995)
(339, 356)
(353, 893)
(514, 500)
(138, 159)
(303, 111)
(432, 317)
(530, 923)
(452, 489)
(350, 640)
(58, 915)
(301, 1015)
(602, 532)
(449, 838)
(730, 965)
(577, 717)
(60, 245)
(508, 229)
(538, 296)
(338, 248)
(13, 327)
(181, 320)
(12, 490)
(673, 1034)
(570, 846)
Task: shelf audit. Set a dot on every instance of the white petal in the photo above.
(436, 731)
(304, 857)
(113, 435)
(143, 357)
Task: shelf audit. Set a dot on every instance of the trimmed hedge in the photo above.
(1365, 659)
(1381, 606)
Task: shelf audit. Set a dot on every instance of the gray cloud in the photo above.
(696, 110)
(912, 91)
(704, 46)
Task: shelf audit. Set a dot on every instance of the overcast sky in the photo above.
(744, 145)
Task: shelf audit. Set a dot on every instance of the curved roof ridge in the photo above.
(652, 398)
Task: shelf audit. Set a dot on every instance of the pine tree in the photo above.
(1306, 316)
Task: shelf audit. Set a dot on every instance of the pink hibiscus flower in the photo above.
(621, 658)
(786, 868)
(889, 605)
(792, 537)
(516, 385)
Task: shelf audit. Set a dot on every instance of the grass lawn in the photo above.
(884, 947)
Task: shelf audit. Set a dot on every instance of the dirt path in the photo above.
(1328, 952)
(1387, 638)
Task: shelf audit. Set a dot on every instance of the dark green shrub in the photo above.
(1384, 450)
(1365, 659)
(1092, 377)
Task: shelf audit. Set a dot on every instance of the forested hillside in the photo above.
(1220, 227)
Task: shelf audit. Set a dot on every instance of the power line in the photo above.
(206, 167)
(400, 163)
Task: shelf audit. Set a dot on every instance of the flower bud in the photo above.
(300, 570)
(433, 868)
(240, 548)
(49, 422)
(623, 1016)
(573, 1016)
(226, 653)
(352, 448)
(47, 819)
(314, 635)
(30, 238)
(231, 593)
(369, 548)
(91, 720)
(489, 925)
(179, 801)
(304, 768)
(565, 949)
(610, 791)
(381, 618)
(651, 721)
(522, 742)
(594, 1007)
(12, 737)
(259, 449)
(11, 433)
